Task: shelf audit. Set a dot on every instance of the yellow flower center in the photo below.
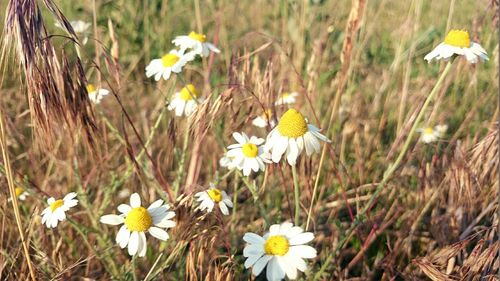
(292, 124)
(188, 93)
(138, 219)
(276, 245)
(428, 131)
(458, 38)
(90, 88)
(250, 150)
(285, 95)
(58, 203)
(215, 195)
(197, 36)
(169, 60)
(19, 191)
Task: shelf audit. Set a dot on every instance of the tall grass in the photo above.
(382, 205)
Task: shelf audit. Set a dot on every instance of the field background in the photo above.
(436, 217)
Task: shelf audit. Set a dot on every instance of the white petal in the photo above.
(123, 236)
(158, 233)
(124, 208)
(155, 204)
(112, 219)
(274, 271)
(303, 251)
(135, 200)
(69, 196)
(301, 238)
(274, 229)
(133, 243)
(287, 266)
(253, 238)
(260, 264)
(253, 250)
(223, 208)
(143, 246)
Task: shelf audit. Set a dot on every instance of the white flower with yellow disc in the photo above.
(21, 194)
(248, 154)
(282, 250)
(56, 211)
(458, 42)
(138, 220)
(171, 62)
(291, 136)
(429, 134)
(96, 95)
(185, 101)
(264, 119)
(196, 42)
(287, 98)
(212, 196)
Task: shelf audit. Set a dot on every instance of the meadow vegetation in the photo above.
(359, 70)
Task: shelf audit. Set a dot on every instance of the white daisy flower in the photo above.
(265, 118)
(457, 42)
(137, 221)
(56, 211)
(196, 42)
(287, 98)
(429, 134)
(212, 196)
(21, 194)
(96, 95)
(248, 154)
(185, 101)
(171, 62)
(80, 28)
(282, 249)
(291, 136)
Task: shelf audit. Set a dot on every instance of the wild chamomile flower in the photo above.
(287, 98)
(457, 42)
(21, 194)
(185, 101)
(80, 28)
(196, 42)
(429, 134)
(96, 95)
(282, 249)
(212, 196)
(171, 62)
(292, 134)
(56, 211)
(265, 118)
(138, 220)
(248, 154)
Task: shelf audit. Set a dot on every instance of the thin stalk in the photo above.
(296, 194)
(316, 183)
(12, 190)
(153, 267)
(255, 195)
(180, 169)
(388, 173)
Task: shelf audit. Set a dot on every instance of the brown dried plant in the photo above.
(54, 81)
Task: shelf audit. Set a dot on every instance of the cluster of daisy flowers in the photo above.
(283, 248)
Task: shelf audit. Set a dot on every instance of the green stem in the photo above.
(180, 169)
(390, 170)
(296, 194)
(255, 194)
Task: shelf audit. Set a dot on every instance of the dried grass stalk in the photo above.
(55, 84)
